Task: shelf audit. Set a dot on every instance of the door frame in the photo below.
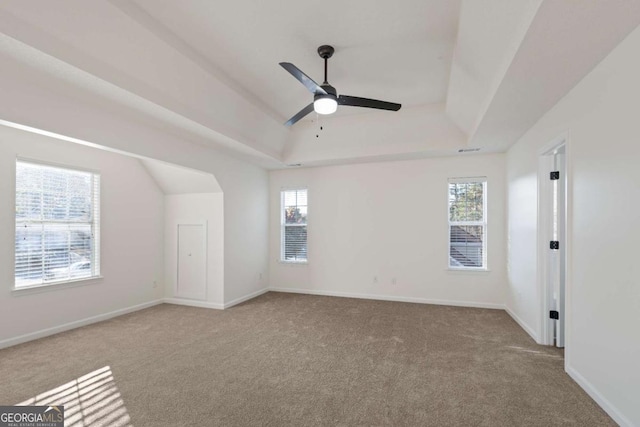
(205, 249)
(544, 225)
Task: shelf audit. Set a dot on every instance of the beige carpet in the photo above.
(297, 360)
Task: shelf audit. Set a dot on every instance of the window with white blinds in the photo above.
(294, 225)
(57, 224)
(468, 223)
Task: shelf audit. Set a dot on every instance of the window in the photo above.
(468, 223)
(57, 224)
(294, 225)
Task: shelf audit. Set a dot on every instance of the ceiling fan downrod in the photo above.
(325, 51)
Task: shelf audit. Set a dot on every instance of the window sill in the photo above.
(468, 270)
(302, 263)
(36, 289)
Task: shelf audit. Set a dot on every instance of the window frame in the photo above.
(483, 223)
(284, 225)
(95, 224)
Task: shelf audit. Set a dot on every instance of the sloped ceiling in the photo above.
(469, 73)
(489, 36)
(172, 179)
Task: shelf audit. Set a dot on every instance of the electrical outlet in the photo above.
(393, 281)
(155, 284)
(260, 276)
(375, 279)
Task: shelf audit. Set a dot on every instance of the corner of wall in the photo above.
(245, 298)
(604, 403)
(528, 329)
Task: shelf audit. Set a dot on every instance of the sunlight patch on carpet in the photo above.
(92, 400)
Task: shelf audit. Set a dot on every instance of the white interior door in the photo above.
(557, 257)
(192, 266)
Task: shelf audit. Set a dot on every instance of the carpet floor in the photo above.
(299, 360)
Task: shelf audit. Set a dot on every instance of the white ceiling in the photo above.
(172, 179)
(396, 51)
(489, 37)
(468, 73)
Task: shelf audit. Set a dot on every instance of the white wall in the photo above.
(196, 208)
(246, 234)
(523, 296)
(389, 220)
(603, 308)
(35, 98)
(131, 238)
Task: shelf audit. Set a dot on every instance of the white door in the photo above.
(557, 258)
(192, 266)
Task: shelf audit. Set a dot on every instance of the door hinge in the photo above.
(553, 314)
(554, 175)
(554, 244)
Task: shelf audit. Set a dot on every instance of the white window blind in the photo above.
(57, 224)
(468, 223)
(294, 225)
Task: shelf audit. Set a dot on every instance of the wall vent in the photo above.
(468, 150)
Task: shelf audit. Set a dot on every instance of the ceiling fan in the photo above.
(325, 97)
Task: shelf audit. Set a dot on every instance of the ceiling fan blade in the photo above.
(306, 110)
(354, 101)
(313, 87)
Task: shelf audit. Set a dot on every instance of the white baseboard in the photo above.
(390, 298)
(72, 325)
(245, 298)
(193, 303)
(599, 398)
(214, 305)
(522, 324)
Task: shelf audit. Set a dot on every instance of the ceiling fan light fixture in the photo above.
(325, 96)
(325, 104)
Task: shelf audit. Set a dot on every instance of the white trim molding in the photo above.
(76, 324)
(9, 342)
(528, 329)
(545, 161)
(214, 305)
(245, 298)
(391, 298)
(193, 303)
(599, 398)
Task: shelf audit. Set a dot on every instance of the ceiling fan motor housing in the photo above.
(325, 51)
(329, 89)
